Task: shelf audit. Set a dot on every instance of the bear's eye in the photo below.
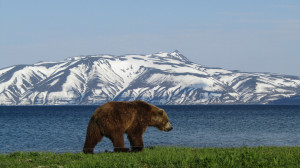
(161, 112)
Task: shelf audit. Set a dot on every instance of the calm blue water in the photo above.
(63, 128)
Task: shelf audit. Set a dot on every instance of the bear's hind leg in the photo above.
(91, 142)
(136, 142)
(118, 142)
(93, 136)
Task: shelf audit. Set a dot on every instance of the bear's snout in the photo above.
(168, 127)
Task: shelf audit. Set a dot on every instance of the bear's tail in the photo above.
(93, 136)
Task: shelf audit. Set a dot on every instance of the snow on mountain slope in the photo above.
(161, 78)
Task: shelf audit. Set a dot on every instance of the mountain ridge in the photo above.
(160, 78)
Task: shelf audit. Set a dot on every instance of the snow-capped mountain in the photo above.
(161, 78)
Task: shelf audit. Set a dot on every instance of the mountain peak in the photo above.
(178, 55)
(174, 55)
(176, 51)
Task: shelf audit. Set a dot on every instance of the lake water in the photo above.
(62, 128)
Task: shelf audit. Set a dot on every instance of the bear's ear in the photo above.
(161, 112)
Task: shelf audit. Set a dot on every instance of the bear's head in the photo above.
(160, 120)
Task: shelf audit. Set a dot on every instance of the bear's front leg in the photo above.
(118, 142)
(136, 142)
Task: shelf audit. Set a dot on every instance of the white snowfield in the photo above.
(161, 78)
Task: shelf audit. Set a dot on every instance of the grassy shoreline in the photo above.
(162, 157)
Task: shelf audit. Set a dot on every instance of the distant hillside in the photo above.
(161, 78)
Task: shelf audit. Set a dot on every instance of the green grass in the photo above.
(162, 157)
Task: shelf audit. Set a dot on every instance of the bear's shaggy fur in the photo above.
(115, 118)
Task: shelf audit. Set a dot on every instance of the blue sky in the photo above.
(253, 36)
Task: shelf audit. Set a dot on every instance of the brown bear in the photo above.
(115, 118)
